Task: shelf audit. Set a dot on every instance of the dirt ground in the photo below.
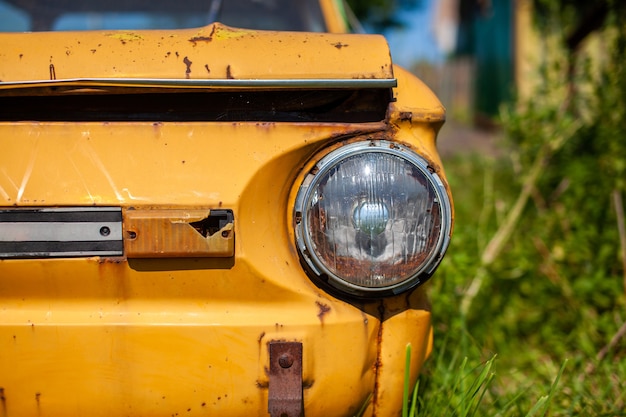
(455, 138)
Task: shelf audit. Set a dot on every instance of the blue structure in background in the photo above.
(416, 40)
(486, 35)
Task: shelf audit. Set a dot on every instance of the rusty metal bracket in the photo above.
(285, 397)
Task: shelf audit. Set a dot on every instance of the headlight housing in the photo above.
(372, 220)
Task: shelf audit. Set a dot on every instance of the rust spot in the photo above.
(405, 116)
(197, 39)
(3, 400)
(188, 64)
(229, 74)
(339, 45)
(365, 320)
(206, 66)
(93, 51)
(323, 310)
(53, 74)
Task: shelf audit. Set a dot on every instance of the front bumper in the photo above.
(142, 338)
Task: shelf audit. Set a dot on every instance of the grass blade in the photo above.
(407, 381)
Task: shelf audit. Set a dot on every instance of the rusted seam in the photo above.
(379, 351)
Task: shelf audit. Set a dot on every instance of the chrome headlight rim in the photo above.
(306, 247)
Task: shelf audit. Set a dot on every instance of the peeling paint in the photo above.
(366, 54)
(224, 33)
(126, 36)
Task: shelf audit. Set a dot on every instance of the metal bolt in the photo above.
(105, 231)
(285, 360)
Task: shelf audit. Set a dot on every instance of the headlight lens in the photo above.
(372, 219)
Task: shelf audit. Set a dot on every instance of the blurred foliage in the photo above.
(549, 316)
(574, 20)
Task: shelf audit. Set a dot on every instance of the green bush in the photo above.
(529, 305)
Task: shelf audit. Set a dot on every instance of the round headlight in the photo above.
(372, 220)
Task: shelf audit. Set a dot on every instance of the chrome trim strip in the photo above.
(332, 83)
(61, 232)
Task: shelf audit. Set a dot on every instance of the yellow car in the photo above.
(225, 219)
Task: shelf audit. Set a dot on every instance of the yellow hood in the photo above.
(214, 52)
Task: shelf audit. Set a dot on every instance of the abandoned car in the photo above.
(212, 208)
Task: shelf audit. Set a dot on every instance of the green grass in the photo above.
(529, 305)
(541, 335)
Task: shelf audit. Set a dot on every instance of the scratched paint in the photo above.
(254, 55)
(98, 164)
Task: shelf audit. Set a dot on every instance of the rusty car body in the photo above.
(213, 220)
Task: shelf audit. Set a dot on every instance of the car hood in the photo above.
(201, 55)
